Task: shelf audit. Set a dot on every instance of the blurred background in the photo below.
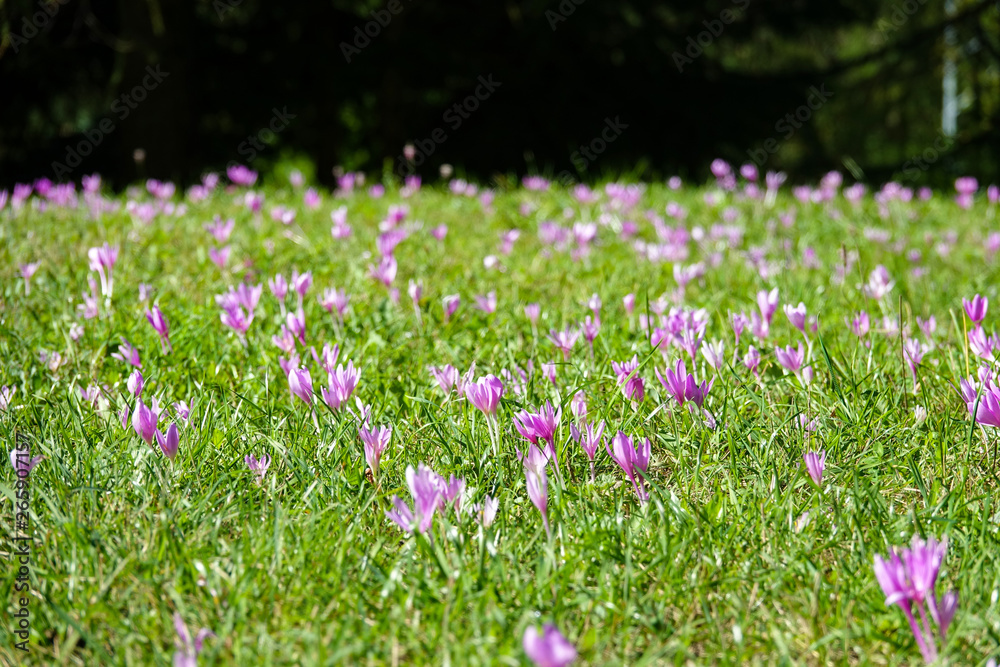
(573, 89)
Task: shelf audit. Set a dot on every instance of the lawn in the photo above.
(485, 329)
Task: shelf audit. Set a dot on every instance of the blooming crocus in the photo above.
(549, 648)
(487, 303)
(160, 325)
(6, 393)
(976, 308)
(879, 283)
(450, 305)
(446, 377)
(23, 462)
(815, 463)
(790, 358)
(713, 353)
(589, 438)
(188, 650)
(538, 491)
(426, 490)
(134, 383)
(631, 458)
(796, 315)
(300, 383)
(375, 443)
(532, 311)
(591, 327)
(342, 383)
(631, 383)
(860, 324)
(486, 512)
(334, 299)
(219, 256)
(220, 230)
(564, 340)
(241, 175)
(485, 394)
(144, 421)
(767, 302)
(907, 578)
(629, 302)
(27, 271)
(103, 260)
(385, 272)
(279, 288)
(168, 443)
(297, 325)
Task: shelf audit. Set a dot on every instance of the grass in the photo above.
(738, 558)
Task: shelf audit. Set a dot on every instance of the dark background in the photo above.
(231, 63)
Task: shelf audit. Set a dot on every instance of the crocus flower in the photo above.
(6, 393)
(879, 283)
(426, 489)
(103, 260)
(485, 394)
(815, 463)
(300, 383)
(446, 376)
(128, 354)
(564, 340)
(976, 308)
(160, 326)
(631, 458)
(713, 353)
(135, 383)
(241, 175)
(796, 315)
(279, 288)
(548, 649)
(589, 438)
(532, 311)
(629, 302)
(188, 650)
(168, 443)
(27, 271)
(450, 305)
(768, 303)
(860, 324)
(219, 256)
(375, 442)
(333, 298)
(538, 491)
(487, 303)
(591, 327)
(144, 421)
(23, 462)
(342, 383)
(487, 511)
(790, 358)
(629, 380)
(907, 578)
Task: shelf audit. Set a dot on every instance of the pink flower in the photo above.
(976, 308)
(487, 303)
(160, 325)
(485, 394)
(815, 463)
(375, 443)
(630, 458)
(548, 649)
(300, 384)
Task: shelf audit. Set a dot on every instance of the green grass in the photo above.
(306, 569)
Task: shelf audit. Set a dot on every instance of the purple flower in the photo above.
(630, 458)
(258, 466)
(815, 463)
(879, 283)
(335, 299)
(6, 393)
(768, 303)
(485, 394)
(426, 489)
(564, 340)
(241, 175)
(589, 439)
(219, 256)
(487, 512)
(22, 461)
(450, 305)
(160, 326)
(300, 384)
(488, 303)
(629, 302)
(532, 311)
(168, 443)
(629, 380)
(144, 421)
(790, 358)
(446, 376)
(128, 354)
(375, 442)
(976, 308)
(103, 260)
(27, 271)
(342, 383)
(538, 491)
(796, 315)
(188, 650)
(548, 649)
(134, 383)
